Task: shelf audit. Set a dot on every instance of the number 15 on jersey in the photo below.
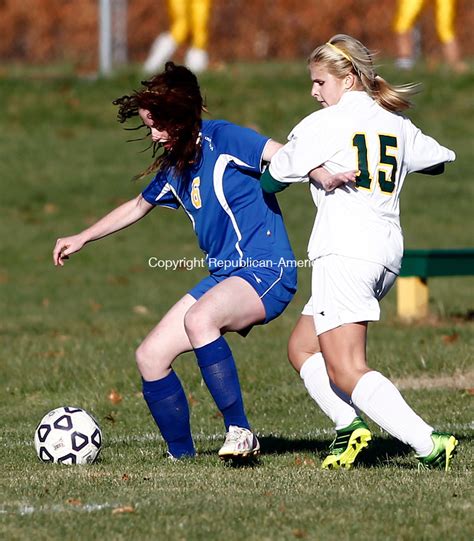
(387, 166)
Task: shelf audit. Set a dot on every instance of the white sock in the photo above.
(380, 400)
(316, 380)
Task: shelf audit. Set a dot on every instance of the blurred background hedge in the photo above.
(44, 31)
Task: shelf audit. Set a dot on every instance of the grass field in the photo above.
(68, 336)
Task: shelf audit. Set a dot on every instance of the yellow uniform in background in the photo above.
(405, 19)
(189, 21)
(409, 10)
(189, 18)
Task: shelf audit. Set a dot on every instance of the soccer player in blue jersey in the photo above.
(211, 169)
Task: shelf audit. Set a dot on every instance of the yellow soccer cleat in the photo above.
(347, 445)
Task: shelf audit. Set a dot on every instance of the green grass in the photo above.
(68, 336)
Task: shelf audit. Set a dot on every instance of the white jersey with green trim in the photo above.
(361, 220)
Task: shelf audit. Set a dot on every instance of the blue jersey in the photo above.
(236, 223)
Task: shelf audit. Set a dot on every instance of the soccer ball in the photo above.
(68, 436)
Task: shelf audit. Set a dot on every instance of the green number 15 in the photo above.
(387, 169)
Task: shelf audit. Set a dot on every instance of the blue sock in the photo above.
(220, 375)
(168, 405)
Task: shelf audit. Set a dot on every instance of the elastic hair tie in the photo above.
(341, 52)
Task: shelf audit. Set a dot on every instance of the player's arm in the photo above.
(319, 176)
(270, 149)
(126, 214)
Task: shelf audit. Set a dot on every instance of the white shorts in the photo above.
(346, 290)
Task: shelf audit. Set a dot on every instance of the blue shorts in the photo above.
(275, 285)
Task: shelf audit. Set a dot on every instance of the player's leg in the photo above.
(166, 43)
(196, 56)
(162, 389)
(405, 17)
(445, 27)
(355, 288)
(304, 354)
(231, 305)
(378, 398)
(352, 433)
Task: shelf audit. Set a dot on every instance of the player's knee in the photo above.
(196, 321)
(143, 357)
(345, 375)
(297, 356)
(299, 350)
(294, 353)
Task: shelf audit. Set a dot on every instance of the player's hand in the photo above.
(65, 247)
(339, 179)
(324, 179)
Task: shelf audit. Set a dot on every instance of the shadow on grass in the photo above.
(380, 452)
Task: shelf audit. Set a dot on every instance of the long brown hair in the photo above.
(344, 54)
(174, 101)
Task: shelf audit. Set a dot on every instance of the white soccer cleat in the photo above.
(161, 51)
(196, 59)
(239, 443)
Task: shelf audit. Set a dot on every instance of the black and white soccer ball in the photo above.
(68, 435)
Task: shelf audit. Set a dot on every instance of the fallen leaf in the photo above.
(95, 306)
(140, 309)
(50, 208)
(115, 397)
(192, 401)
(304, 461)
(300, 534)
(124, 509)
(450, 338)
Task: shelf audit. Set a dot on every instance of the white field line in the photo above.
(155, 436)
(28, 509)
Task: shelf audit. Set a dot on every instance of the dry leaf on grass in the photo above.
(140, 309)
(450, 338)
(115, 397)
(192, 401)
(123, 509)
(50, 208)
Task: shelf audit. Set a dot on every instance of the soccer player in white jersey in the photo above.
(211, 169)
(356, 244)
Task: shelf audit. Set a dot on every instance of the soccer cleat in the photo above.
(347, 444)
(196, 59)
(162, 50)
(444, 448)
(239, 443)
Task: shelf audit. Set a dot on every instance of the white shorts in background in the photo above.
(346, 290)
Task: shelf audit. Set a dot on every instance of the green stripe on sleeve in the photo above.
(270, 184)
